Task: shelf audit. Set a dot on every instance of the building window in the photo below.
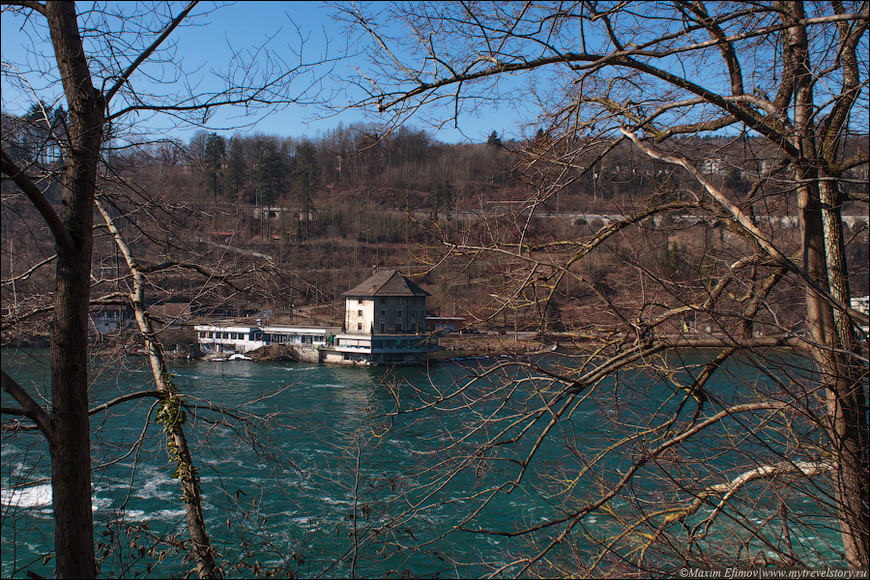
(359, 301)
(383, 312)
(383, 328)
(398, 328)
(399, 313)
(359, 312)
(359, 326)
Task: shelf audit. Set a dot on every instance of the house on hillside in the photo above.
(384, 323)
(109, 318)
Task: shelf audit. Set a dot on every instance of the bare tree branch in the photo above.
(145, 54)
(29, 407)
(58, 229)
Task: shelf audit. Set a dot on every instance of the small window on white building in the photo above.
(359, 312)
(359, 326)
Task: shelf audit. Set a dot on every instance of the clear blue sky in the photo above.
(244, 25)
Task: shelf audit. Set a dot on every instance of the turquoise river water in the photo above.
(308, 470)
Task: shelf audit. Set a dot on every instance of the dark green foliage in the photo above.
(306, 178)
(270, 171)
(442, 197)
(215, 149)
(234, 173)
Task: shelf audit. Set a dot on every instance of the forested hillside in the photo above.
(293, 222)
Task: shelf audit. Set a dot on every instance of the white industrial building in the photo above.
(384, 324)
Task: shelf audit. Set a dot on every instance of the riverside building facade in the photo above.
(384, 324)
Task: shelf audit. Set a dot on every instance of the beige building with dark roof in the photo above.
(384, 323)
(386, 303)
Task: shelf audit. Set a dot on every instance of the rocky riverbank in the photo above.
(461, 346)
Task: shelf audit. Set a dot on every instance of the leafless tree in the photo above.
(104, 73)
(662, 79)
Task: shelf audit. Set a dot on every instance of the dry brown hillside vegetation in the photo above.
(257, 225)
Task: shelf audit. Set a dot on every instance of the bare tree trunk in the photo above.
(171, 416)
(851, 419)
(823, 254)
(81, 138)
(70, 448)
(846, 429)
(846, 401)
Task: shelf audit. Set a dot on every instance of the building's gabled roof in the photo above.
(386, 283)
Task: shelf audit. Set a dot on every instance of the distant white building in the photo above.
(217, 339)
(712, 166)
(225, 339)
